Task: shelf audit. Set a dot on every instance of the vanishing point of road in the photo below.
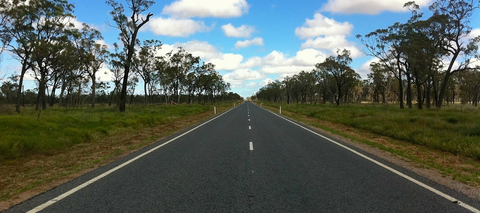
(249, 160)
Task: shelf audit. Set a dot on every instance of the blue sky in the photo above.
(254, 42)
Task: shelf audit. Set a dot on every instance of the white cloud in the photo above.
(365, 69)
(266, 81)
(475, 32)
(238, 77)
(176, 27)
(207, 8)
(227, 61)
(242, 44)
(208, 53)
(104, 74)
(254, 68)
(80, 25)
(322, 26)
(252, 62)
(278, 63)
(243, 31)
(333, 43)
(252, 84)
(203, 49)
(370, 7)
(291, 69)
(327, 34)
(306, 57)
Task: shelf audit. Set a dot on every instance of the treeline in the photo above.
(431, 59)
(331, 81)
(427, 62)
(65, 60)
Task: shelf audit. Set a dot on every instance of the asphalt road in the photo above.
(249, 160)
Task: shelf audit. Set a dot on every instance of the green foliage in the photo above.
(451, 129)
(58, 128)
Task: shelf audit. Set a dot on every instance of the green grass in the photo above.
(454, 129)
(58, 128)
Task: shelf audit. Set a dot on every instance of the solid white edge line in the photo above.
(251, 146)
(71, 191)
(448, 197)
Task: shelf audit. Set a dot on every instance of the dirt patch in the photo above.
(24, 178)
(453, 171)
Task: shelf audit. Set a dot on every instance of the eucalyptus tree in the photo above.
(339, 69)
(28, 25)
(8, 88)
(325, 85)
(53, 33)
(469, 85)
(162, 76)
(272, 91)
(288, 84)
(115, 62)
(92, 55)
(180, 64)
(145, 64)
(386, 48)
(381, 80)
(219, 87)
(304, 86)
(205, 75)
(129, 27)
(454, 18)
(64, 67)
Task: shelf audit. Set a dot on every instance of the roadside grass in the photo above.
(57, 128)
(61, 144)
(454, 129)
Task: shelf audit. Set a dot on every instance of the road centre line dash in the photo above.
(448, 197)
(251, 146)
(71, 191)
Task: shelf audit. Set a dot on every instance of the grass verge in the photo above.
(49, 163)
(452, 129)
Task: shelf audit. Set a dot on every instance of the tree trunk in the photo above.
(146, 92)
(94, 89)
(419, 96)
(409, 91)
(20, 85)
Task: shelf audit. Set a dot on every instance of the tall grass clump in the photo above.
(454, 129)
(59, 128)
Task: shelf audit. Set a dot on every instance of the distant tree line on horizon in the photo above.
(427, 62)
(65, 60)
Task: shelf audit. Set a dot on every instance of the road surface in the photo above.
(249, 160)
